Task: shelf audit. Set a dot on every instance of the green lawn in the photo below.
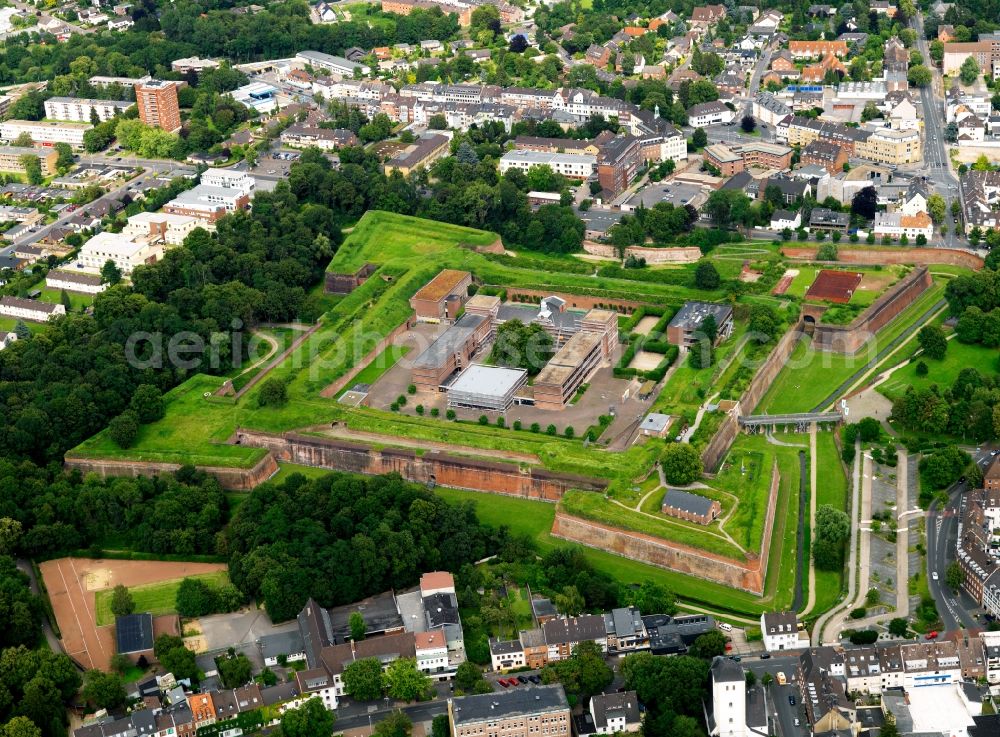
(688, 387)
(747, 475)
(812, 375)
(943, 372)
(833, 490)
(7, 325)
(156, 598)
(802, 281)
(78, 301)
(596, 507)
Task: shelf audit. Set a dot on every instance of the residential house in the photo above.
(562, 635)
(781, 631)
(709, 113)
(781, 219)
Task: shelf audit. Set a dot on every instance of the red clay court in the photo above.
(71, 583)
(834, 286)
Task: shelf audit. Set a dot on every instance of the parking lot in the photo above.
(246, 626)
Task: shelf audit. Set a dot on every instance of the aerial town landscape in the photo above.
(499, 368)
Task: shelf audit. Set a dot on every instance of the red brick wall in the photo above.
(240, 479)
(851, 338)
(743, 575)
(903, 255)
(440, 468)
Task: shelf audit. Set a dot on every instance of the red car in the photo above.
(503, 682)
(932, 635)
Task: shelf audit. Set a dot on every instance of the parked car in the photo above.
(522, 679)
(932, 635)
(502, 682)
(534, 679)
(765, 656)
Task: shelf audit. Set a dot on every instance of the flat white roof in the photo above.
(160, 217)
(655, 422)
(542, 157)
(117, 243)
(939, 710)
(490, 380)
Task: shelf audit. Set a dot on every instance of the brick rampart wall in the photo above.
(743, 575)
(849, 339)
(873, 255)
(720, 443)
(652, 254)
(237, 479)
(432, 467)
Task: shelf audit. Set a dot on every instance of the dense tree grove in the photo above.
(36, 685)
(672, 689)
(180, 513)
(63, 386)
(975, 300)
(833, 528)
(472, 194)
(20, 610)
(966, 409)
(341, 538)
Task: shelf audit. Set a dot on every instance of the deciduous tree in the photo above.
(312, 719)
(363, 679)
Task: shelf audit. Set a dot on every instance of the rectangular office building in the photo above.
(490, 388)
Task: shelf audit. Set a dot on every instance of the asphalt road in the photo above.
(780, 713)
(939, 175)
(416, 712)
(943, 524)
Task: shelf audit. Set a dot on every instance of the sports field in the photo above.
(155, 598)
(834, 286)
(72, 584)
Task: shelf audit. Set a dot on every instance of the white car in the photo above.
(934, 575)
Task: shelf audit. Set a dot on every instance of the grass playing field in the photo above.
(156, 598)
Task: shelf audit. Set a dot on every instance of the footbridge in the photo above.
(800, 421)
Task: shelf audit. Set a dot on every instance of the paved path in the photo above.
(50, 636)
(902, 537)
(774, 441)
